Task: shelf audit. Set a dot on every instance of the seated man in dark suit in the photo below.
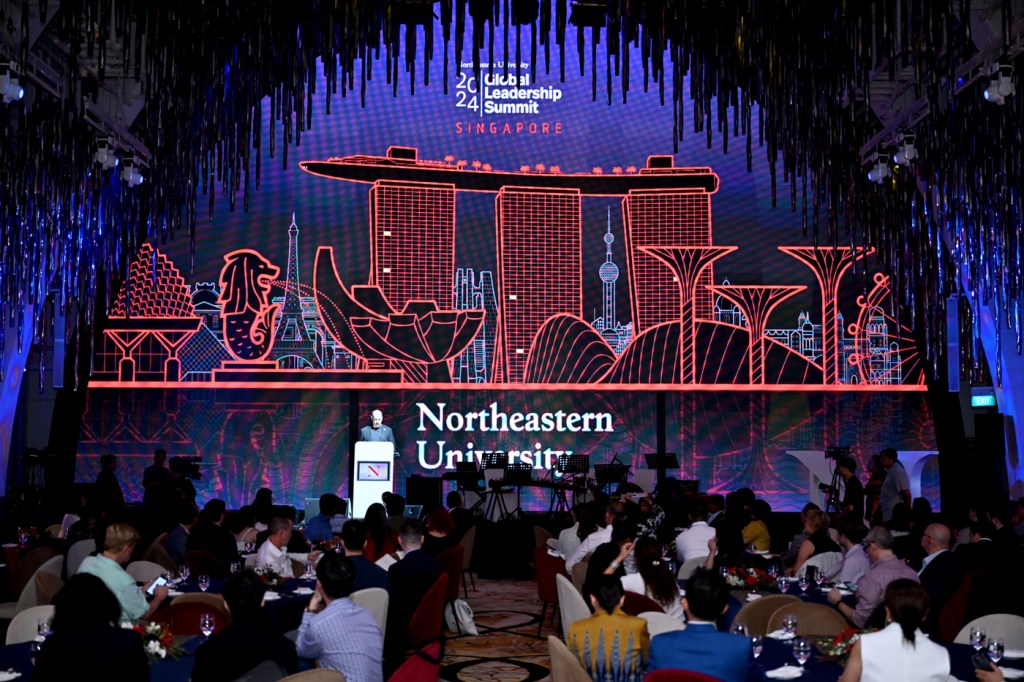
(981, 552)
(368, 574)
(940, 572)
(700, 647)
(462, 517)
(244, 644)
(210, 535)
(410, 580)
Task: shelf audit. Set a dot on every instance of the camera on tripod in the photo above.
(186, 467)
(837, 451)
(826, 488)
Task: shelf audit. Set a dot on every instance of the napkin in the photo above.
(1013, 653)
(271, 596)
(753, 596)
(303, 590)
(781, 634)
(1012, 673)
(9, 675)
(786, 672)
(174, 593)
(843, 591)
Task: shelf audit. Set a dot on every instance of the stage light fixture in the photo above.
(130, 173)
(906, 152)
(105, 155)
(10, 84)
(879, 170)
(1001, 85)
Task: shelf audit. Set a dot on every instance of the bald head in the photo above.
(935, 538)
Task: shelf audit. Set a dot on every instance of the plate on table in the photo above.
(9, 675)
(303, 590)
(1013, 653)
(781, 635)
(174, 593)
(271, 596)
(753, 596)
(786, 672)
(1012, 673)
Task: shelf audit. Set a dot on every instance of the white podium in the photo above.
(374, 475)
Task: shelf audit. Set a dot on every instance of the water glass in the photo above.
(204, 582)
(250, 547)
(183, 571)
(803, 583)
(783, 585)
(977, 638)
(236, 566)
(756, 645)
(995, 649)
(739, 629)
(22, 536)
(723, 570)
(33, 650)
(801, 650)
(308, 571)
(44, 628)
(789, 624)
(819, 578)
(207, 624)
(773, 569)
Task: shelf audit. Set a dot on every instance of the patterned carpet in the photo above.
(508, 649)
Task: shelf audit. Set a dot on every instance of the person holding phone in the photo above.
(118, 545)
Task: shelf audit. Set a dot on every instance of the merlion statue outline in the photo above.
(247, 314)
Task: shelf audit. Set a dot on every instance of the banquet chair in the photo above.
(450, 563)
(689, 566)
(579, 574)
(756, 614)
(375, 600)
(204, 598)
(158, 554)
(316, 675)
(182, 618)
(669, 675)
(659, 622)
(27, 565)
(424, 665)
(77, 553)
(565, 667)
(540, 536)
(547, 591)
(24, 626)
(812, 619)
(634, 603)
(822, 562)
(144, 571)
(1007, 626)
(267, 671)
(29, 595)
(53, 530)
(47, 586)
(467, 543)
(427, 622)
(570, 604)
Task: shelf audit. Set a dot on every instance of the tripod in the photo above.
(833, 452)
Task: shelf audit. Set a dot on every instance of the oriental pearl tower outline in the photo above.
(616, 335)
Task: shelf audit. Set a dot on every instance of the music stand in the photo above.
(611, 474)
(489, 463)
(494, 460)
(518, 474)
(573, 464)
(661, 461)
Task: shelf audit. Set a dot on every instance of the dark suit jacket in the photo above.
(369, 574)
(980, 555)
(235, 651)
(700, 647)
(96, 653)
(214, 539)
(940, 578)
(386, 434)
(410, 579)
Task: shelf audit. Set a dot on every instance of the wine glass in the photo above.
(44, 628)
(308, 571)
(739, 629)
(995, 649)
(756, 645)
(783, 585)
(250, 547)
(204, 582)
(803, 583)
(34, 648)
(801, 650)
(773, 570)
(723, 571)
(236, 566)
(977, 638)
(789, 624)
(183, 571)
(22, 536)
(207, 624)
(819, 578)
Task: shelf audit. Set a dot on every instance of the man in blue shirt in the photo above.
(318, 528)
(700, 647)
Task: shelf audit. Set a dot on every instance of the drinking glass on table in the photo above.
(207, 624)
(236, 566)
(789, 624)
(995, 649)
(250, 547)
(801, 650)
(44, 628)
(977, 638)
(204, 582)
(803, 582)
(756, 645)
(308, 571)
(819, 577)
(773, 569)
(783, 584)
(183, 571)
(739, 629)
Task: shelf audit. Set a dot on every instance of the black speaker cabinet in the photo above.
(422, 490)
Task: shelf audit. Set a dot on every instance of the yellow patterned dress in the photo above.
(611, 646)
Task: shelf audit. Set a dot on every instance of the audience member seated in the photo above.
(885, 568)
(653, 578)
(980, 553)
(611, 645)
(855, 563)
(381, 539)
(650, 516)
(905, 545)
(209, 534)
(176, 541)
(789, 558)
(319, 528)
(440, 531)
(596, 538)
(234, 651)
(900, 652)
(274, 554)
(940, 572)
(87, 641)
(583, 525)
(336, 632)
(716, 509)
(693, 542)
(755, 533)
(368, 574)
(395, 505)
(701, 647)
(462, 517)
(818, 540)
(119, 543)
(609, 557)
(410, 579)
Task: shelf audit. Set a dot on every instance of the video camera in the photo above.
(186, 467)
(837, 451)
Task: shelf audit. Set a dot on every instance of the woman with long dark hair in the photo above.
(653, 578)
(586, 523)
(381, 539)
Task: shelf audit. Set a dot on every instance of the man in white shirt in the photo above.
(855, 561)
(272, 554)
(597, 538)
(693, 542)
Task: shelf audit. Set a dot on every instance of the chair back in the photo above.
(203, 598)
(690, 566)
(24, 626)
(316, 675)
(540, 536)
(26, 567)
(1007, 626)
(812, 619)
(426, 624)
(53, 530)
(158, 554)
(203, 562)
(467, 543)
(144, 571)
(570, 604)
(565, 667)
(267, 671)
(423, 666)
(755, 614)
(182, 618)
(547, 568)
(247, 535)
(821, 562)
(77, 553)
(47, 586)
(669, 675)
(579, 575)
(634, 604)
(375, 600)
(450, 562)
(659, 622)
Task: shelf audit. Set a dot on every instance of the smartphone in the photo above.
(981, 661)
(159, 581)
(852, 587)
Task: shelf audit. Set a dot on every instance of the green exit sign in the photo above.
(983, 400)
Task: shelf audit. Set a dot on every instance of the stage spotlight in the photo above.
(105, 155)
(879, 172)
(10, 84)
(906, 152)
(130, 173)
(1001, 86)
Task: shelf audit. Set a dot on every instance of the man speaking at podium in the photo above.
(376, 432)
